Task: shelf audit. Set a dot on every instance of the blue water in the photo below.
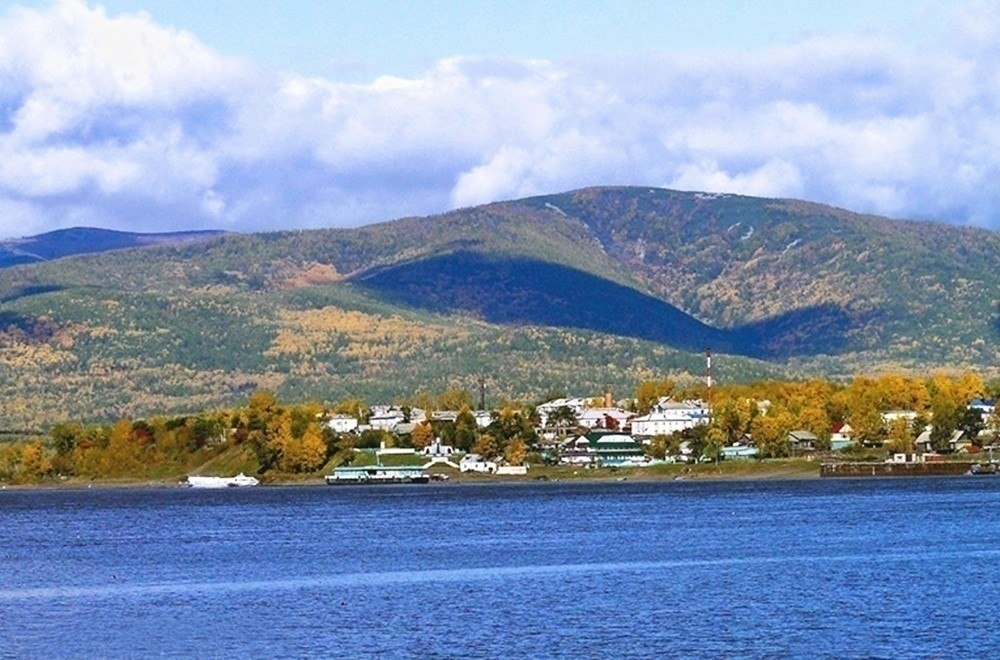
(805, 568)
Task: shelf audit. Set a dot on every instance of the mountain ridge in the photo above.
(87, 240)
(574, 291)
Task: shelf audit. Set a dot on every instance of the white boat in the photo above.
(239, 481)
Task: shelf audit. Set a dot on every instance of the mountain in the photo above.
(86, 240)
(595, 287)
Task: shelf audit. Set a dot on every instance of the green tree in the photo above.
(715, 440)
(465, 430)
(65, 437)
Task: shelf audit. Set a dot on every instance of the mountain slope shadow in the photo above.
(518, 290)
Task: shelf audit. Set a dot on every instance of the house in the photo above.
(577, 451)
(841, 437)
(444, 416)
(668, 417)
(574, 404)
(985, 407)
(890, 416)
(614, 419)
(512, 469)
(403, 428)
(476, 463)
(739, 450)
(923, 441)
(342, 423)
(958, 443)
(386, 420)
(483, 418)
(803, 440)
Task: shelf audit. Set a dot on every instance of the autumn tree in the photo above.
(900, 436)
(123, 454)
(516, 451)
(486, 446)
(715, 440)
(770, 433)
(312, 449)
(422, 436)
(454, 399)
(948, 401)
(34, 464)
(648, 392)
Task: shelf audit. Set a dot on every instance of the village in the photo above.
(598, 433)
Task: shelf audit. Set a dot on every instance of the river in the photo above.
(868, 567)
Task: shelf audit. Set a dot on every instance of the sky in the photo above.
(159, 115)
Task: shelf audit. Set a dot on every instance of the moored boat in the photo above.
(378, 474)
(239, 481)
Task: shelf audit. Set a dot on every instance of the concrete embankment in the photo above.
(944, 468)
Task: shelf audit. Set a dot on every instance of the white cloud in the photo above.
(120, 121)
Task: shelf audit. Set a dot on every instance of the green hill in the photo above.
(86, 240)
(595, 287)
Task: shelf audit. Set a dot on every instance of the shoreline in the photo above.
(793, 470)
(776, 470)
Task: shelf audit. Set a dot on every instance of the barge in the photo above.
(377, 474)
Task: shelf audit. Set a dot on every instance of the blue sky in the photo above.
(155, 115)
(358, 39)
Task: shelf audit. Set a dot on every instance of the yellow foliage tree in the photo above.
(122, 456)
(650, 391)
(486, 446)
(313, 452)
(516, 451)
(34, 464)
(422, 436)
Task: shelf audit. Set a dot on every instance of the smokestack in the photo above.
(708, 380)
(607, 398)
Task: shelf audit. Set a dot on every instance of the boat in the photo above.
(239, 481)
(378, 474)
(983, 468)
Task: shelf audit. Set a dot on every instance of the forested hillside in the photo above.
(603, 286)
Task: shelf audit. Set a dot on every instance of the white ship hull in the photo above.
(239, 481)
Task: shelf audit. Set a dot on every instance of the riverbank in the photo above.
(733, 470)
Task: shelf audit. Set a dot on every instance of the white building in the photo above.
(342, 423)
(985, 408)
(890, 416)
(605, 418)
(386, 420)
(476, 463)
(483, 418)
(438, 449)
(576, 404)
(670, 417)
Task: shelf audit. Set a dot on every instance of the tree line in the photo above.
(270, 437)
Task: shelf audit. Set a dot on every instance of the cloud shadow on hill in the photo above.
(519, 290)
